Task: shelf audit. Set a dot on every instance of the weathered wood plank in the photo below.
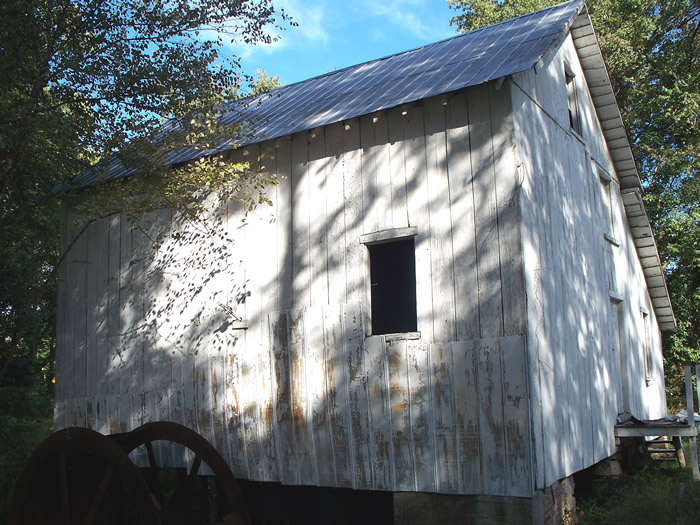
(417, 206)
(440, 220)
(301, 414)
(301, 204)
(318, 224)
(317, 362)
(369, 183)
(352, 192)
(404, 477)
(397, 168)
(335, 214)
(491, 416)
(508, 212)
(381, 450)
(233, 410)
(284, 223)
(113, 306)
(422, 429)
(463, 231)
(444, 421)
(127, 321)
(77, 276)
(91, 304)
(385, 195)
(338, 405)
(516, 417)
(100, 257)
(353, 336)
(467, 409)
(485, 213)
(62, 370)
(282, 396)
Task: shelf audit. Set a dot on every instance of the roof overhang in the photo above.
(620, 149)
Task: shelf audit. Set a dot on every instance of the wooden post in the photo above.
(691, 421)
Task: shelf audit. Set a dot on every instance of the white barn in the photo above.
(455, 290)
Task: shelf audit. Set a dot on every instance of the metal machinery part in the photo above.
(79, 476)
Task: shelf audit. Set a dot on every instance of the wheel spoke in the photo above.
(195, 466)
(154, 474)
(100, 494)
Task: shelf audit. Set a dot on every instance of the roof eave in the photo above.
(620, 149)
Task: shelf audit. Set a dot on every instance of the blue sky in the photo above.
(333, 34)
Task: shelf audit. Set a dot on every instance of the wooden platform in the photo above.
(662, 427)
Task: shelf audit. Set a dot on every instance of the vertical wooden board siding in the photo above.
(380, 446)
(352, 192)
(385, 194)
(491, 416)
(421, 413)
(113, 305)
(77, 276)
(284, 431)
(189, 390)
(439, 216)
(462, 219)
(140, 253)
(301, 204)
(284, 222)
(102, 307)
(162, 413)
(485, 213)
(335, 216)
(79, 412)
(397, 164)
(233, 411)
(263, 279)
(138, 413)
(303, 445)
(444, 420)
(90, 415)
(508, 212)
(218, 393)
(315, 351)
(260, 297)
(203, 395)
(516, 415)
(318, 252)
(530, 162)
(370, 185)
(404, 467)
(124, 417)
(113, 403)
(101, 415)
(66, 377)
(353, 336)
(338, 406)
(92, 263)
(126, 313)
(417, 206)
(62, 351)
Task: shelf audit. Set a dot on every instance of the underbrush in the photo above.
(660, 494)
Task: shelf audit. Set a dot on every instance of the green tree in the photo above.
(652, 50)
(85, 80)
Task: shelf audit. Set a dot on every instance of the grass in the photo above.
(660, 494)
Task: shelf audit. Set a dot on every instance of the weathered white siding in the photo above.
(580, 374)
(300, 393)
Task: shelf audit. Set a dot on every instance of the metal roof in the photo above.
(449, 65)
